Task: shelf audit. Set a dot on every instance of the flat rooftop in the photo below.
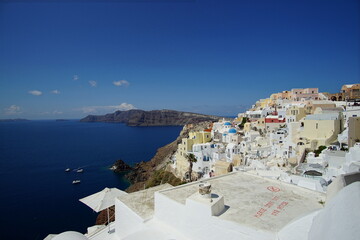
(254, 201)
(323, 116)
(142, 202)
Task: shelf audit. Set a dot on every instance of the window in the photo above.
(317, 125)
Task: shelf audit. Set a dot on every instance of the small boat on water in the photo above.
(76, 182)
(80, 170)
(67, 170)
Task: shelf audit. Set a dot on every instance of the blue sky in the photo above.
(68, 59)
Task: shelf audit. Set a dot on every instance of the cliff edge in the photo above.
(141, 175)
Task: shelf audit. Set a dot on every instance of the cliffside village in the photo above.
(300, 136)
(286, 169)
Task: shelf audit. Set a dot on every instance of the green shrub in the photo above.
(162, 177)
(319, 150)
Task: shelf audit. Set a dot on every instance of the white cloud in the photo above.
(76, 77)
(121, 83)
(125, 106)
(93, 83)
(55, 91)
(107, 109)
(12, 110)
(55, 112)
(35, 92)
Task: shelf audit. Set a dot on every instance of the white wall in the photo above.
(127, 221)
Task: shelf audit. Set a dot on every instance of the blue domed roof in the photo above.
(227, 124)
(232, 130)
(224, 134)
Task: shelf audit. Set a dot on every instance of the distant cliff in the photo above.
(14, 120)
(151, 118)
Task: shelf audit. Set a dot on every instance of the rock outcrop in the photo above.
(120, 166)
(151, 118)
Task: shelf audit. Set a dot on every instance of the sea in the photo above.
(37, 195)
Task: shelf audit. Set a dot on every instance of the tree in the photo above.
(319, 150)
(244, 120)
(191, 159)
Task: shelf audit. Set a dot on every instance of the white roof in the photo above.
(340, 219)
(254, 112)
(319, 102)
(142, 202)
(255, 202)
(324, 116)
(70, 235)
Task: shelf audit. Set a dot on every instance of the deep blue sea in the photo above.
(37, 195)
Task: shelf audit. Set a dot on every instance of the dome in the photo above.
(232, 130)
(227, 124)
(70, 235)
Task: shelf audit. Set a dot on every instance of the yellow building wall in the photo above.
(221, 167)
(310, 108)
(182, 164)
(354, 130)
(247, 127)
(259, 124)
(237, 160)
(321, 132)
(274, 96)
(299, 112)
(265, 102)
(200, 137)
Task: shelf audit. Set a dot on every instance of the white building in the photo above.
(232, 149)
(240, 206)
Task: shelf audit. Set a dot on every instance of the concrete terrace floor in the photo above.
(142, 202)
(250, 200)
(256, 202)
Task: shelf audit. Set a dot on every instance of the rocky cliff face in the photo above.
(151, 118)
(143, 171)
(120, 166)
